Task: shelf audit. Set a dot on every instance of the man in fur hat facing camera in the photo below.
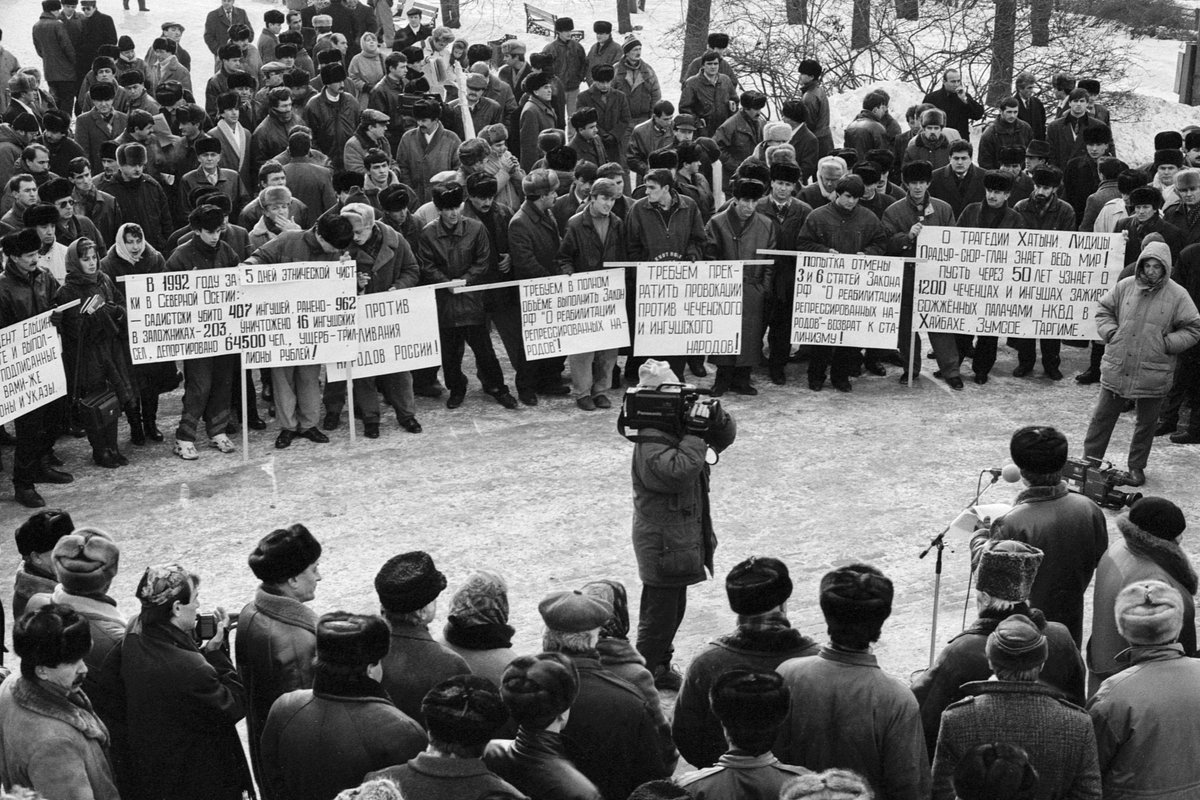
(673, 537)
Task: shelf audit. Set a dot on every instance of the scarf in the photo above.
(123, 249)
(489, 636)
(75, 274)
(1163, 552)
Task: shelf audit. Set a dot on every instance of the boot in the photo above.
(150, 417)
(723, 382)
(137, 434)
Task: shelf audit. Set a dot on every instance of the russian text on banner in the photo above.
(567, 314)
(180, 315)
(31, 366)
(688, 308)
(298, 313)
(1023, 283)
(397, 332)
(847, 300)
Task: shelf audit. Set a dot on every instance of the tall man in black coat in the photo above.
(959, 107)
(1029, 108)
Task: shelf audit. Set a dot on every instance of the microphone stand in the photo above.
(939, 542)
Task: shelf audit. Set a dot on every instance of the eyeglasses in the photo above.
(68, 203)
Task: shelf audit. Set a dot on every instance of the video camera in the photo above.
(672, 407)
(1090, 477)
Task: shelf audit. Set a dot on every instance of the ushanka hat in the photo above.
(42, 531)
(1007, 570)
(353, 640)
(86, 561)
(1039, 449)
(758, 585)
(750, 700)
(285, 552)
(465, 709)
(1149, 612)
(410, 581)
(537, 689)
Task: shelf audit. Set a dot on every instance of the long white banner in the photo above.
(847, 300)
(567, 314)
(689, 308)
(397, 332)
(1023, 283)
(31, 366)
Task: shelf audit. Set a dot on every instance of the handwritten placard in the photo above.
(688, 308)
(567, 314)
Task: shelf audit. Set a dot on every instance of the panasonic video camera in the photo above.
(672, 407)
(1090, 477)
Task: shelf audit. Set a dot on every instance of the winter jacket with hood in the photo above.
(1145, 327)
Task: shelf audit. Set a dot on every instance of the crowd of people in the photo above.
(1018, 706)
(424, 158)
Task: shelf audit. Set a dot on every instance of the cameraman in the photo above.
(673, 537)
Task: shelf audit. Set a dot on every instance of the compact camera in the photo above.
(206, 625)
(1091, 478)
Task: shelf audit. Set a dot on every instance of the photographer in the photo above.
(673, 537)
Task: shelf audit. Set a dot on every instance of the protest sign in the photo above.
(181, 315)
(1024, 283)
(397, 332)
(31, 366)
(847, 300)
(298, 313)
(567, 314)
(688, 308)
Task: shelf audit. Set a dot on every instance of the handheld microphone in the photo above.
(1010, 472)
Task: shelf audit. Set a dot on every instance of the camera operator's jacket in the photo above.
(673, 537)
(1145, 328)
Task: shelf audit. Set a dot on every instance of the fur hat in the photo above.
(322, 21)
(39, 214)
(1168, 140)
(998, 181)
(131, 154)
(785, 171)
(229, 51)
(207, 217)
(1146, 196)
(1007, 570)
(753, 99)
(1097, 134)
(55, 189)
(652, 374)
(410, 581)
(1187, 177)
(541, 61)
(23, 241)
(99, 92)
(562, 158)
(744, 699)
(536, 689)
(573, 612)
(602, 26)
(131, 77)
(933, 116)
(164, 44)
(748, 189)
(1168, 157)
(603, 72)
(273, 196)
(465, 710)
(241, 80)
(1149, 612)
(167, 93)
(856, 594)
(353, 640)
(1089, 85)
(549, 139)
(285, 552)
(397, 198)
(584, 117)
(1039, 449)
(1047, 175)
(86, 561)
(718, 40)
(481, 184)
(564, 25)
(1016, 644)
(868, 171)
(333, 73)
(108, 150)
(103, 62)
(540, 182)
(207, 144)
(1012, 154)
(758, 585)
(1191, 140)
(427, 109)
(328, 57)
(916, 171)
(1037, 148)
(42, 531)
(536, 81)
(1158, 517)
(662, 159)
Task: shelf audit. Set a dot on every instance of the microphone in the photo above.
(1010, 472)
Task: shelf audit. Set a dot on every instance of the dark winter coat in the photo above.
(388, 259)
(696, 729)
(1145, 328)
(737, 137)
(611, 735)
(972, 217)
(1066, 140)
(581, 249)
(292, 246)
(999, 135)
(486, 112)
(816, 102)
(180, 706)
(1057, 735)
(1136, 232)
(614, 121)
(875, 714)
(737, 776)
(570, 62)
(958, 192)
(674, 234)
(311, 184)
(964, 660)
(535, 763)
(415, 664)
(1080, 179)
(417, 161)
(94, 31)
(1186, 220)
(449, 254)
(788, 222)
(959, 112)
(536, 116)
(80, 227)
(533, 242)
(217, 25)
(275, 645)
(901, 215)
(229, 183)
(320, 741)
(807, 151)
(640, 86)
(1105, 191)
(105, 622)
(832, 229)
(1057, 215)
(864, 133)
(645, 139)
(707, 101)
(92, 130)
(1071, 532)
(25, 295)
(53, 45)
(95, 350)
(673, 537)
(52, 743)
(332, 123)
(731, 239)
(1033, 114)
(142, 200)
(936, 152)
(430, 777)
(1145, 720)
(589, 149)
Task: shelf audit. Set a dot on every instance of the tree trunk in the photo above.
(908, 9)
(624, 23)
(450, 14)
(1003, 34)
(860, 26)
(1039, 22)
(797, 12)
(695, 41)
